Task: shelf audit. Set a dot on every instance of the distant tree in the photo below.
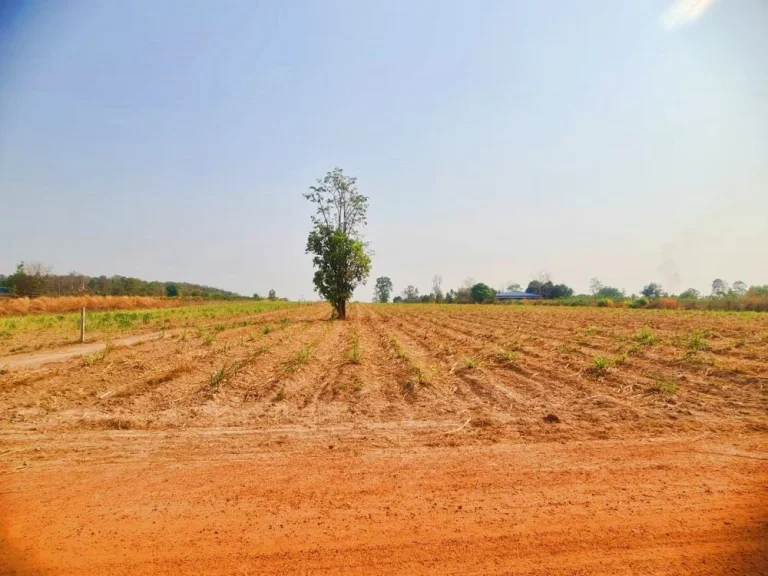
(758, 290)
(549, 290)
(560, 291)
(739, 288)
(610, 292)
(534, 287)
(171, 290)
(482, 293)
(514, 286)
(340, 256)
(719, 287)
(257, 296)
(652, 290)
(272, 295)
(595, 286)
(23, 283)
(689, 294)
(450, 297)
(383, 289)
(427, 298)
(397, 299)
(437, 288)
(410, 294)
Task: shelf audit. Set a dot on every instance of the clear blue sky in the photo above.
(173, 140)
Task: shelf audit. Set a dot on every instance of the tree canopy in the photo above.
(548, 289)
(652, 290)
(382, 290)
(482, 293)
(340, 255)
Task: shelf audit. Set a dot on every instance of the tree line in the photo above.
(599, 293)
(32, 279)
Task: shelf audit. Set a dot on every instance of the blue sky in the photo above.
(173, 140)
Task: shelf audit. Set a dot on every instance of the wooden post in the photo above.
(82, 324)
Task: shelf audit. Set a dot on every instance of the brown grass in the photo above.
(62, 304)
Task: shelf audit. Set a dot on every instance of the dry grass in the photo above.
(63, 304)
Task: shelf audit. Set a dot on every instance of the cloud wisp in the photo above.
(683, 12)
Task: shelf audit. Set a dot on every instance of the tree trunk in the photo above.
(343, 310)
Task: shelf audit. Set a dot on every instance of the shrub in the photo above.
(639, 303)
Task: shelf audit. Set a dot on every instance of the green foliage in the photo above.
(697, 343)
(758, 290)
(549, 290)
(610, 292)
(24, 282)
(383, 289)
(652, 290)
(601, 364)
(482, 293)
(646, 337)
(639, 303)
(339, 255)
(689, 294)
(272, 295)
(35, 279)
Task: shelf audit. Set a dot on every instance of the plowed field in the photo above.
(407, 439)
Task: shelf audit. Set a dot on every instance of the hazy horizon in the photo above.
(173, 141)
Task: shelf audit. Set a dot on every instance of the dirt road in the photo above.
(33, 359)
(393, 500)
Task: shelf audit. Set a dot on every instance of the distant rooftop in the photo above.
(516, 295)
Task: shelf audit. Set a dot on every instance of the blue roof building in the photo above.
(515, 295)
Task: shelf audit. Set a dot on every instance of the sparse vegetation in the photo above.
(664, 386)
(696, 342)
(646, 337)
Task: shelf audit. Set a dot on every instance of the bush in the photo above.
(604, 303)
(639, 303)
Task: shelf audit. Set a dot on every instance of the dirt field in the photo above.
(408, 439)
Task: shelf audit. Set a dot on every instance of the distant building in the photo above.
(515, 295)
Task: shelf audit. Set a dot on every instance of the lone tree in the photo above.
(340, 256)
(719, 287)
(652, 290)
(482, 293)
(383, 289)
